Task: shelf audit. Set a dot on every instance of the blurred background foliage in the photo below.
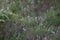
(29, 19)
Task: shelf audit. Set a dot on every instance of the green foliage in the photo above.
(13, 8)
(23, 20)
(13, 19)
(3, 16)
(6, 16)
(42, 31)
(51, 18)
